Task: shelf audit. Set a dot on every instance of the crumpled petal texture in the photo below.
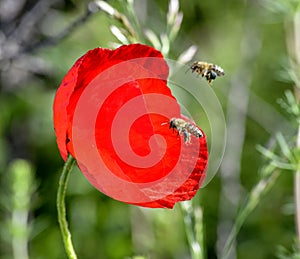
(148, 98)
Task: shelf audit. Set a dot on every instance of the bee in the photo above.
(187, 129)
(208, 70)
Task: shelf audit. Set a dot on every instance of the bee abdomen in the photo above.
(194, 130)
(218, 70)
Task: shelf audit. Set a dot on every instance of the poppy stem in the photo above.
(61, 207)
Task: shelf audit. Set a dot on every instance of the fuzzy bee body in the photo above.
(185, 128)
(208, 70)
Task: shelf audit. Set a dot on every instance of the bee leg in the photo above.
(179, 132)
(186, 137)
(209, 78)
(171, 125)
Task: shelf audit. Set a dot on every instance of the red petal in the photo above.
(122, 127)
(82, 73)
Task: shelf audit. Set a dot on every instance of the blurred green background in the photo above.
(245, 37)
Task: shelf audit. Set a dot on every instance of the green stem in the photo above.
(194, 229)
(108, 9)
(23, 187)
(297, 174)
(293, 44)
(255, 196)
(61, 207)
(297, 194)
(136, 25)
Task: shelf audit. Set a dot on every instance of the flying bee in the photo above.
(208, 70)
(187, 129)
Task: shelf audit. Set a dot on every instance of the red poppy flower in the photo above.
(112, 113)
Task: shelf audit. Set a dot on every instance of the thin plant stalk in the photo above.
(297, 194)
(108, 9)
(61, 207)
(293, 44)
(270, 175)
(297, 203)
(297, 174)
(297, 96)
(133, 16)
(193, 222)
(23, 187)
